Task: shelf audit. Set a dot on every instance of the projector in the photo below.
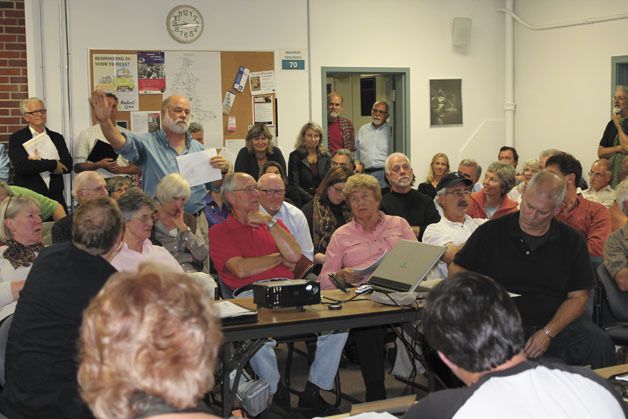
(282, 293)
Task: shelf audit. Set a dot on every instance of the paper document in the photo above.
(228, 309)
(42, 147)
(370, 268)
(195, 167)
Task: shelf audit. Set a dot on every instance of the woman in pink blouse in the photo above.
(357, 244)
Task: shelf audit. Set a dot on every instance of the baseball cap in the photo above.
(452, 179)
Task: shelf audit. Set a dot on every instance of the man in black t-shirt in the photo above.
(547, 264)
(614, 142)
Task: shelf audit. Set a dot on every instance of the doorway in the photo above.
(360, 87)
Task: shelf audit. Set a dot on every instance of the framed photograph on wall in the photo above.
(445, 102)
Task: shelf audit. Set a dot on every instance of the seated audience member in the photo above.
(88, 140)
(118, 185)
(272, 191)
(439, 167)
(546, 262)
(43, 340)
(589, 218)
(470, 169)
(138, 210)
(616, 246)
(415, 207)
(134, 317)
(492, 201)
(359, 166)
(342, 156)
(356, 244)
(546, 154)
(216, 209)
(254, 246)
(488, 355)
(175, 229)
(600, 190)
(20, 234)
(530, 168)
(50, 209)
(624, 171)
(309, 162)
(614, 142)
(508, 155)
(196, 132)
(455, 226)
(296, 195)
(258, 150)
(87, 185)
(328, 210)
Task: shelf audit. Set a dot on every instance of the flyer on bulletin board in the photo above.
(151, 75)
(117, 73)
(262, 82)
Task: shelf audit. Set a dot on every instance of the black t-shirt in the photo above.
(542, 277)
(428, 189)
(415, 207)
(610, 132)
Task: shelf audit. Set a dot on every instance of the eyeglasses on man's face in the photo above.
(459, 193)
(37, 112)
(273, 192)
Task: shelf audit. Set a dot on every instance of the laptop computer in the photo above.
(405, 266)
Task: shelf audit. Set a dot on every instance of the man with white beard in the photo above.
(155, 152)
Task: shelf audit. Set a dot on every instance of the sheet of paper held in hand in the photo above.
(195, 167)
(370, 268)
(42, 146)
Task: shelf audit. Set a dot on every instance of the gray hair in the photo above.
(506, 173)
(621, 195)
(623, 88)
(97, 226)
(471, 163)
(9, 209)
(172, 186)
(132, 201)
(548, 153)
(82, 178)
(24, 104)
(388, 163)
(336, 94)
(533, 164)
(229, 184)
(195, 127)
(550, 184)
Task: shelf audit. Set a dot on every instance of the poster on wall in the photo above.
(145, 121)
(197, 75)
(445, 102)
(262, 82)
(117, 74)
(150, 72)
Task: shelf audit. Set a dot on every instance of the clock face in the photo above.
(185, 24)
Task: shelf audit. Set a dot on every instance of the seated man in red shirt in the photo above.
(250, 246)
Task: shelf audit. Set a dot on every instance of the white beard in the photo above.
(177, 127)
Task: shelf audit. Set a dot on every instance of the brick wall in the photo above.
(13, 77)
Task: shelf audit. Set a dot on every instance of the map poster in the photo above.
(151, 72)
(197, 75)
(117, 74)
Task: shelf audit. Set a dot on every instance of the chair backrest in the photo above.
(4, 336)
(617, 299)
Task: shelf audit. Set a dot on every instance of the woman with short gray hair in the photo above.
(492, 201)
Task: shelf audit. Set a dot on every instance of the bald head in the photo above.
(89, 185)
(272, 192)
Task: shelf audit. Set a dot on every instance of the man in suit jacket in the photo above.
(44, 176)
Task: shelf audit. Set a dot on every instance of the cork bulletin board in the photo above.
(213, 81)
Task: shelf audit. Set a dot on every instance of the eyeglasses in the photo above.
(273, 192)
(248, 189)
(459, 193)
(377, 111)
(618, 98)
(145, 219)
(595, 174)
(38, 112)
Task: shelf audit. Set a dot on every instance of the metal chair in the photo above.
(618, 305)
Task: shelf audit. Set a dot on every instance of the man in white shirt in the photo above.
(374, 142)
(455, 226)
(600, 190)
(88, 139)
(470, 169)
(272, 191)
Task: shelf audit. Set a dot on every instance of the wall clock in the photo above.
(185, 24)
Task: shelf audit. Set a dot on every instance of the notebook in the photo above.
(405, 266)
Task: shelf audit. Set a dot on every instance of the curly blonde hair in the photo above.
(361, 180)
(147, 334)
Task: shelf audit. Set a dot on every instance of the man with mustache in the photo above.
(417, 208)
(455, 226)
(155, 152)
(340, 132)
(374, 142)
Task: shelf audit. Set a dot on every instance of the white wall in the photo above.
(348, 33)
(563, 76)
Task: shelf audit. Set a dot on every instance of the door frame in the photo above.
(404, 143)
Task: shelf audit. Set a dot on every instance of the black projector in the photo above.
(281, 293)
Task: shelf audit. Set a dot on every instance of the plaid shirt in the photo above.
(347, 132)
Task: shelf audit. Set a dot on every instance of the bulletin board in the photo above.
(226, 64)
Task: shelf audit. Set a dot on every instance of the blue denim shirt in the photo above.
(153, 153)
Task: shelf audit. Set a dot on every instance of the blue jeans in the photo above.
(322, 371)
